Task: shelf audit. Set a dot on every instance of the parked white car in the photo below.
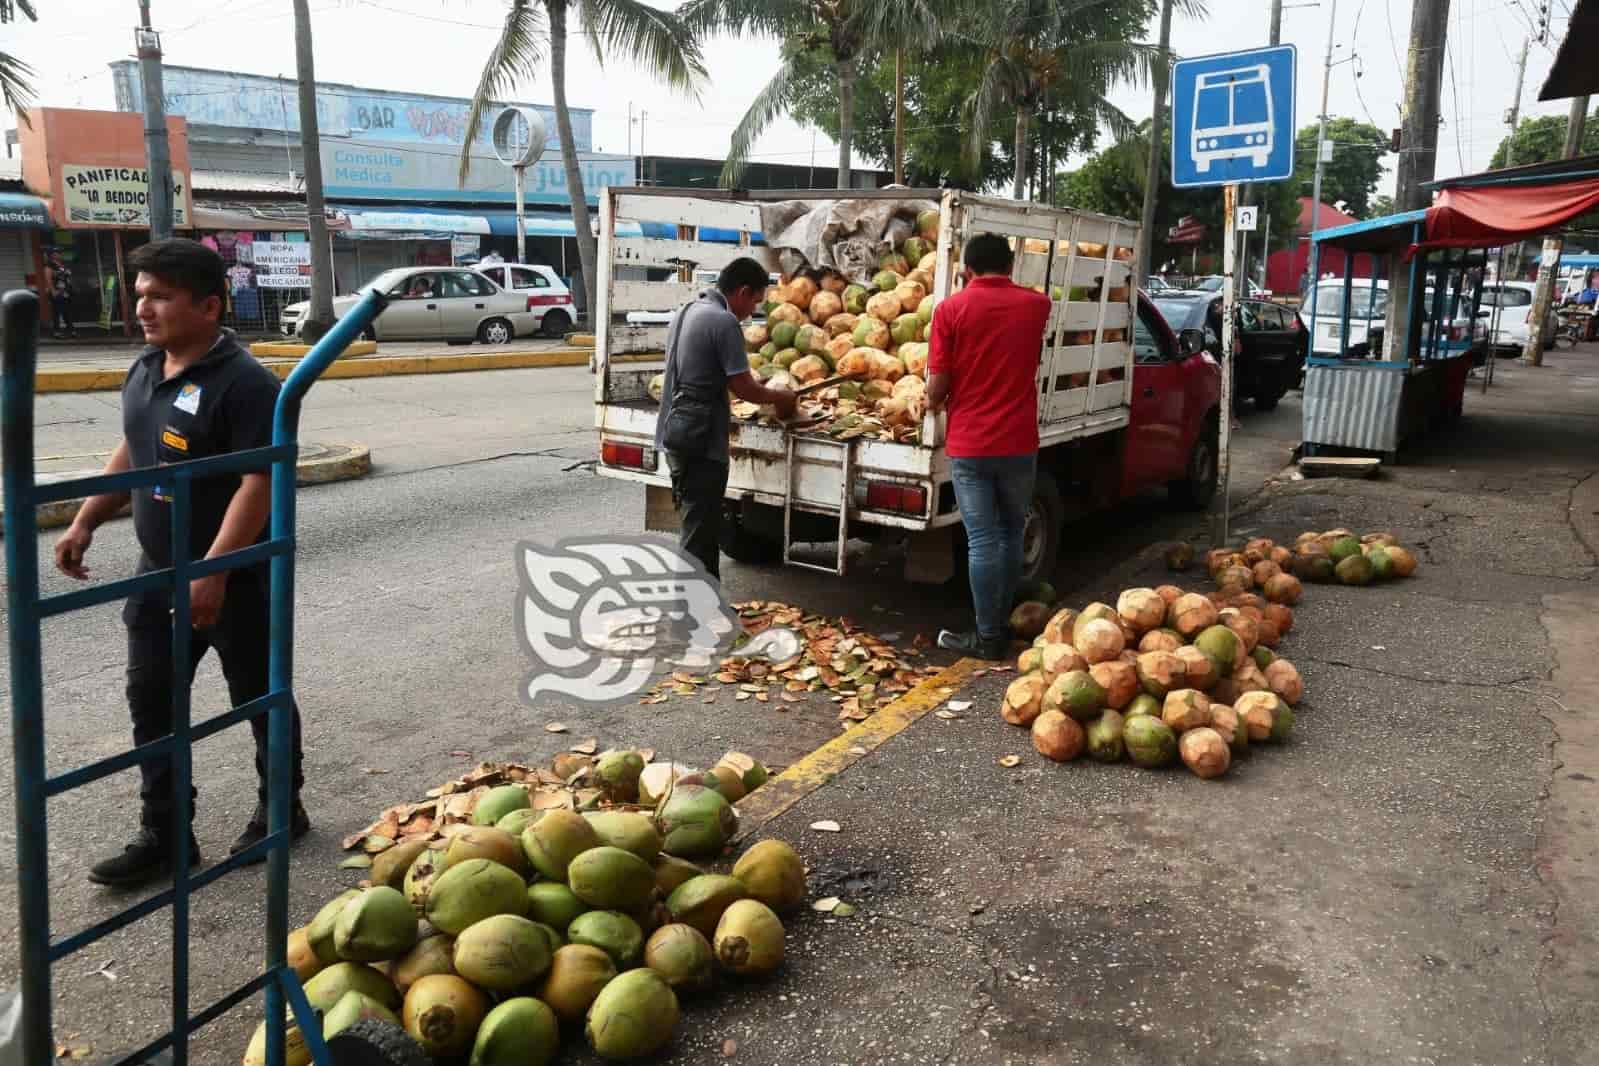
(549, 299)
(1514, 302)
(434, 303)
(1368, 308)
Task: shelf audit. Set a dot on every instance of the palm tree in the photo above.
(839, 32)
(16, 88)
(658, 41)
(1049, 49)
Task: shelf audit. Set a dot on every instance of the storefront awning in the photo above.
(1487, 216)
(561, 226)
(20, 211)
(414, 222)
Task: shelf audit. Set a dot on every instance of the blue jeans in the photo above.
(994, 493)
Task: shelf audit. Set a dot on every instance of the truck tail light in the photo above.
(613, 453)
(892, 496)
(547, 301)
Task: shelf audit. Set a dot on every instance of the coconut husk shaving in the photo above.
(828, 412)
(856, 669)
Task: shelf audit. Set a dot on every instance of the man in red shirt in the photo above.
(983, 364)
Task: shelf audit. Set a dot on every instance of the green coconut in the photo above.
(671, 871)
(855, 299)
(443, 1013)
(552, 842)
(616, 774)
(498, 802)
(681, 954)
(577, 973)
(749, 939)
(391, 865)
(612, 932)
(552, 903)
(351, 1008)
(695, 821)
(471, 891)
(1220, 646)
(1150, 742)
(633, 1016)
(1143, 704)
(1075, 694)
(1105, 738)
(1382, 564)
(609, 878)
(1263, 656)
(419, 878)
(319, 934)
(773, 873)
(502, 952)
(432, 954)
(701, 901)
(517, 821)
(1354, 570)
(1343, 548)
(375, 926)
(328, 987)
(628, 830)
(485, 842)
(519, 1032)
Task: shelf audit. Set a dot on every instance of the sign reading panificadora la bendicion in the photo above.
(116, 196)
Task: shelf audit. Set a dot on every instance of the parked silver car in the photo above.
(435, 303)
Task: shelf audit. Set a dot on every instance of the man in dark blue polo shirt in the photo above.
(194, 393)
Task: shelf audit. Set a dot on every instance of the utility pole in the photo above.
(320, 320)
(1246, 191)
(1513, 120)
(899, 116)
(1321, 126)
(1552, 246)
(1418, 150)
(158, 153)
(1146, 226)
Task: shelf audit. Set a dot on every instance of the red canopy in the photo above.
(1487, 216)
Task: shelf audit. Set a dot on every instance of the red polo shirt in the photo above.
(988, 338)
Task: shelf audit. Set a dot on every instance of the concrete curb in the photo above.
(369, 366)
(319, 464)
(289, 350)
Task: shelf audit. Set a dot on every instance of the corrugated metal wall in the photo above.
(1353, 407)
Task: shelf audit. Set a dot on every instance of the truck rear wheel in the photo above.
(741, 545)
(1041, 534)
(1195, 488)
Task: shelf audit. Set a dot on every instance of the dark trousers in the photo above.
(61, 314)
(697, 489)
(240, 638)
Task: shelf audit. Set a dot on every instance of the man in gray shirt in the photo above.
(704, 359)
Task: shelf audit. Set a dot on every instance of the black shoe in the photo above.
(256, 831)
(146, 858)
(971, 644)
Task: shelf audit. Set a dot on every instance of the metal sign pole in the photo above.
(521, 215)
(1229, 308)
(519, 138)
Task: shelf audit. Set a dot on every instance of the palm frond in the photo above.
(9, 9)
(986, 100)
(659, 41)
(516, 55)
(740, 18)
(910, 24)
(16, 85)
(768, 104)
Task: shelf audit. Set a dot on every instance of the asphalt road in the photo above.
(407, 666)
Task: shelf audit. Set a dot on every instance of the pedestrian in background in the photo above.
(705, 358)
(982, 364)
(60, 298)
(194, 393)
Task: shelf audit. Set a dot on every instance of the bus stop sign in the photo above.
(1233, 117)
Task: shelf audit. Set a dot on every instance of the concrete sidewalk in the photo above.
(100, 368)
(1409, 880)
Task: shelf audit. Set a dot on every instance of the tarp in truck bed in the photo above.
(848, 236)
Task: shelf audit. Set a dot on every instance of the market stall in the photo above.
(1377, 395)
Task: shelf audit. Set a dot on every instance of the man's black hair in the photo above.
(989, 253)
(188, 265)
(742, 273)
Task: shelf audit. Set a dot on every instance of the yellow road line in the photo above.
(845, 750)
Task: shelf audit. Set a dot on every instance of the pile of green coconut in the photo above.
(524, 926)
(1162, 676)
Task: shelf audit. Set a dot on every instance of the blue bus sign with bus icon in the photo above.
(1233, 117)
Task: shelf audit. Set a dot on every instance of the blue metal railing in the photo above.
(19, 312)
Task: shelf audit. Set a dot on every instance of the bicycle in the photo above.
(1571, 330)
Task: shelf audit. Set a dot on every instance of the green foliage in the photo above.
(1543, 140)
(1351, 176)
(16, 77)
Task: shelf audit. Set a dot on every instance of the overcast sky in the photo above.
(428, 46)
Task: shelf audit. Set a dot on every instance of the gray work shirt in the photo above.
(704, 348)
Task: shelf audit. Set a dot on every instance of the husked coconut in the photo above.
(1059, 629)
(885, 367)
(1285, 589)
(1160, 672)
(1282, 677)
(1281, 616)
(884, 306)
(1160, 640)
(857, 362)
(909, 294)
(1248, 677)
(1259, 713)
(1100, 640)
(1191, 614)
(1058, 659)
(1243, 625)
(1118, 679)
(1058, 737)
(1185, 709)
(1404, 563)
(1024, 699)
(1264, 571)
(1204, 752)
(839, 347)
(1225, 721)
(1270, 635)
(1199, 669)
(1170, 594)
(810, 368)
(1142, 609)
(824, 305)
(1282, 557)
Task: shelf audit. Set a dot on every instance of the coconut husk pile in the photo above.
(858, 670)
(837, 412)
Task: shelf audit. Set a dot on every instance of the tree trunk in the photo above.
(587, 250)
(320, 319)
(1019, 191)
(1146, 230)
(846, 119)
(899, 116)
